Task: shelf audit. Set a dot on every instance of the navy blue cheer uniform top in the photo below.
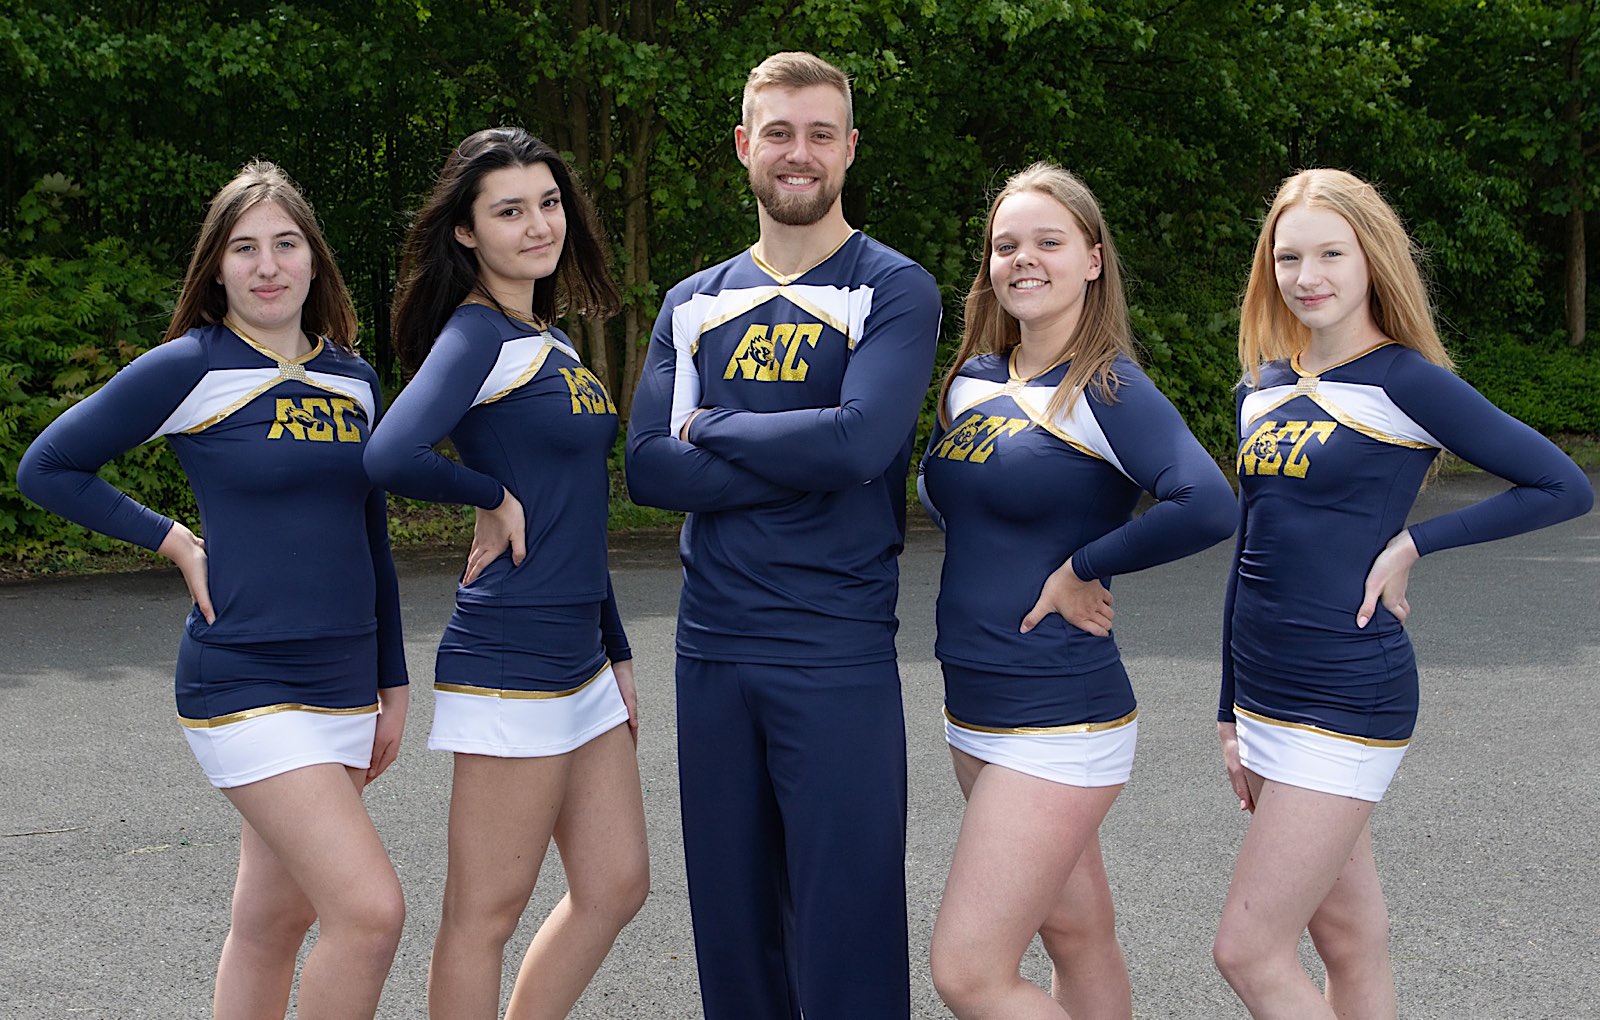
(296, 537)
(526, 416)
(1329, 466)
(795, 475)
(1019, 493)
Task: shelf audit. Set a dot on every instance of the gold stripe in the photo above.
(1337, 413)
(761, 297)
(1011, 365)
(497, 692)
(827, 319)
(316, 348)
(1030, 731)
(529, 372)
(265, 710)
(1366, 741)
(263, 388)
(1349, 422)
(783, 280)
(1294, 360)
(231, 408)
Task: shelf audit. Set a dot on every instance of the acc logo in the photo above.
(317, 419)
(1261, 454)
(588, 394)
(973, 438)
(771, 353)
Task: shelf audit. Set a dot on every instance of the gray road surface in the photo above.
(116, 857)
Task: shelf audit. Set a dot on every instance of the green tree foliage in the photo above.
(1477, 118)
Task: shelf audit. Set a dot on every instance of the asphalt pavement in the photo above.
(116, 856)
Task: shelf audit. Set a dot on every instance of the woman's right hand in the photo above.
(1228, 733)
(186, 549)
(495, 530)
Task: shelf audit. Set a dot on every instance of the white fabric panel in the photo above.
(251, 750)
(216, 391)
(504, 727)
(1102, 758)
(1316, 761)
(512, 365)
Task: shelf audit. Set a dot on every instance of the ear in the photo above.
(741, 144)
(850, 146)
(464, 237)
(1094, 264)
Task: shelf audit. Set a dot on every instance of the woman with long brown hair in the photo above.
(291, 678)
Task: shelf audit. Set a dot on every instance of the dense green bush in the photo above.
(1550, 385)
(68, 322)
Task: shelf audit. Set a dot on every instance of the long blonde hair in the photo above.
(1102, 332)
(1269, 331)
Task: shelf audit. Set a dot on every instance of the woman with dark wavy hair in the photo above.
(291, 675)
(533, 688)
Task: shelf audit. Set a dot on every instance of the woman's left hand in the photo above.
(1387, 580)
(1084, 604)
(630, 695)
(392, 705)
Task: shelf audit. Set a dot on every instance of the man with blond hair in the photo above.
(777, 407)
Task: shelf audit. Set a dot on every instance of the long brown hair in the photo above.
(1269, 331)
(437, 272)
(1102, 332)
(328, 310)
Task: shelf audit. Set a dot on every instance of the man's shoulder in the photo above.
(875, 260)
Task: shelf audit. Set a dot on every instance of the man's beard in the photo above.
(794, 210)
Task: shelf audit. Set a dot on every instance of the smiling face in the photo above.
(1040, 264)
(1322, 272)
(266, 272)
(797, 147)
(517, 231)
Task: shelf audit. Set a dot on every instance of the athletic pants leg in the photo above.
(794, 782)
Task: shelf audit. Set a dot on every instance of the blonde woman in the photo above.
(1049, 434)
(1348, 397)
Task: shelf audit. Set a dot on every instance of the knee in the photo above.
(616, 896)
(271, 923)
(1078, 932)
(1348, 944)
(477, 919)
(1233, 955)
(376, 920)
(961, 981)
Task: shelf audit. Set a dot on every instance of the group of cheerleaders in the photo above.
(291, 680)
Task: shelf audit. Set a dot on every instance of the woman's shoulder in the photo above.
(990, 366)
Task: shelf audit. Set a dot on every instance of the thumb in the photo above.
(1040, 610)
(202, 601)
(1369, 604)
(519, 546)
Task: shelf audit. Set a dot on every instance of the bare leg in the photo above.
(312, 823)
(1088, 974)
(502, 812)
(1351, 932)
(270, 918)
(1020, 839)
(1298, 844)
(600, 833)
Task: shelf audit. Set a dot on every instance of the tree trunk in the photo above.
(1577, 270)
(1577, 246)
